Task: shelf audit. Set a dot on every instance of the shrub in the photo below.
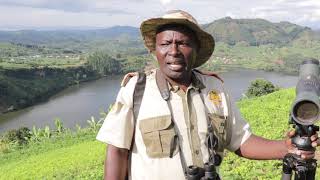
(94, 125)
(59, 125)
(19, 136)
(260, 87)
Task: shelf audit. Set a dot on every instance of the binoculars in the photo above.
(208, 172)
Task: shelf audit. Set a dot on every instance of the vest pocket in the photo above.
(219, 128)
(157, 134)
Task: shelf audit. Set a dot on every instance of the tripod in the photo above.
(304, 169)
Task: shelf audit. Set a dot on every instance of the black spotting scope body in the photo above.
(306, 107)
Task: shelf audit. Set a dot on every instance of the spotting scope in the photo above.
(306, 107)
(305, 112)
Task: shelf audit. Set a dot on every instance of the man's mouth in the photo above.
(176, 66)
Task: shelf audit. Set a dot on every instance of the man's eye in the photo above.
(185, 44)
(164, 44)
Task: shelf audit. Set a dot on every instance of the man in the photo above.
(189, 126)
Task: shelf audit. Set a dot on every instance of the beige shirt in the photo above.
(191, 112)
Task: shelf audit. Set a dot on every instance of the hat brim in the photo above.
(149, 28)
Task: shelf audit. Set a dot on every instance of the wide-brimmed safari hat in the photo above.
(149, 28)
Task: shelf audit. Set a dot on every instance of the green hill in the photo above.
(256, 32)
(58, 36)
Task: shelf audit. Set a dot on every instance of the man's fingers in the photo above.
(314, 137)
(315, 143)
(303, 154)
(307, 154)
(291, 133)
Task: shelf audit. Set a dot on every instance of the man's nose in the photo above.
(174, 50)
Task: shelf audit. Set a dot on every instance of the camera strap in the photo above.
(177, 139)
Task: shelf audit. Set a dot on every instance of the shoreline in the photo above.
(10, 108)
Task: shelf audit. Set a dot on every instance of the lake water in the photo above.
(75, 105)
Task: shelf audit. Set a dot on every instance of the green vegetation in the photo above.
(105, 64)
(284, 59)
(77, 155)
(69, 156)
(255, 32)
(260, 87)
(21, 87)
(52, 154)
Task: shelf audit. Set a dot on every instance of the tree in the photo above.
(104, 64)
(260, 87)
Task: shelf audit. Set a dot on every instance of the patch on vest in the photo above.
(214, 97)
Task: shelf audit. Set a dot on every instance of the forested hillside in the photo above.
(255, 32)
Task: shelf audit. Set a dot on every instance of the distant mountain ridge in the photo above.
(56, 36)
(257, 31)
(252, 32)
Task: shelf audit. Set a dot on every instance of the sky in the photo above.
(61, 14)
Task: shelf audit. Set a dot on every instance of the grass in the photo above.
(73, 156)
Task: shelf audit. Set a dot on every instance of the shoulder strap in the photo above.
(137, 98)
(162, 85)
(177, 139)
(138, 94)
(208, 73)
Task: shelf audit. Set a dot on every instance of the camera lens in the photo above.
(306, 112)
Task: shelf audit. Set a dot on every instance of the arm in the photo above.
(260, 148)
(264, 149)
(116, 163)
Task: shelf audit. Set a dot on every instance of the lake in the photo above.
(76, 104)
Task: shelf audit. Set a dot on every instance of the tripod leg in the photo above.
(286, 176)
(300, 175)
(286, 168)
(306, 170)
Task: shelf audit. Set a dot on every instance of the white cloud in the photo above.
(105, 13)
(32, 17)
(165, 2)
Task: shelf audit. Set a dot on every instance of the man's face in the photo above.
(176, 49)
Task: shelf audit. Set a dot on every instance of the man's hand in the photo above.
(294, 150)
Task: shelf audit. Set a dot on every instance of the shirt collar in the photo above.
(195, 84)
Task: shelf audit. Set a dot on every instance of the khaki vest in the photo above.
(155, 123)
